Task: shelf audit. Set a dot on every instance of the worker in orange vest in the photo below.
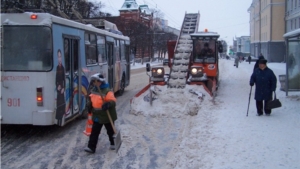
(100, 100)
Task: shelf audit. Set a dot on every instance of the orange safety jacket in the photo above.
(98, 99)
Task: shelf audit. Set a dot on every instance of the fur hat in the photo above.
(98, 76)
(262, 61)
(261, 57)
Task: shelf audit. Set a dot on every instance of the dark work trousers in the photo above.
(95, 134)
(261, 105)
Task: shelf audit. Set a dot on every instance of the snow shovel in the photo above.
(117, 135)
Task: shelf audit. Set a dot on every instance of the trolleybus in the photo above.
(46, 64)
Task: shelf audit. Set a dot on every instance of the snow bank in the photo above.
(183, 102)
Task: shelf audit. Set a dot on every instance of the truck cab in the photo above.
(204, 63)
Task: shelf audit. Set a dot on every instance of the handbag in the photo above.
(272, 104)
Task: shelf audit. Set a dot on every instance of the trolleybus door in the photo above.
(110, 62)
(71, 54)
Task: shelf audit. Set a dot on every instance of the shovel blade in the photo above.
(117, 140)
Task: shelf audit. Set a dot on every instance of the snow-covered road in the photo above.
(179, 131)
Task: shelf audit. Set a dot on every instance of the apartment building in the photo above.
(267, 26)
(292, 15)
(243, 44)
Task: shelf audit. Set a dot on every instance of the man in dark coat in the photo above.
(265, 84)
(249, 59)
(206, 51)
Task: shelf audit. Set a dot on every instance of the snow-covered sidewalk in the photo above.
(237, 141)
(221, 136)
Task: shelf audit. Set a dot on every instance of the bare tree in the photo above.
(157, 13)
(69, 9)
(16, 6)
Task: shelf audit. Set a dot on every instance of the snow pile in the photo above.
(182, 131)
(183, 102)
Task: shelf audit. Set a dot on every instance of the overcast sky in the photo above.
(229, 18)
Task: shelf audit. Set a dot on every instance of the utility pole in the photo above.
(153, 45)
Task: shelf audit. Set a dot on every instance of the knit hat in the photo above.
(98, 76)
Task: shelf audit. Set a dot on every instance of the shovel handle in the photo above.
(111, 122)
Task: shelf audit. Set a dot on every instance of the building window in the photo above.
(291, 24)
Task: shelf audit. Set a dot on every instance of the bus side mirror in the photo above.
(148, 67)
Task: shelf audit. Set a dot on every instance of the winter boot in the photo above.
(87, 149)
(112, 147)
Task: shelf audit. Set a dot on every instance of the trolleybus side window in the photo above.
(109, 52)
(90, 48)
(101, 53)
(27, 48)
(117, 50)
(122, 45)
(66, 54)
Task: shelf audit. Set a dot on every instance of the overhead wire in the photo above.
(112, 5)
(226, 19)
(163, 11)
(232, 25)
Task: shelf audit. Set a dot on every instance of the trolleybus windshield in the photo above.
(26, 48)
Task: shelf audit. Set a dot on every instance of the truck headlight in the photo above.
(194, 71)
(197, 71)
(158, 72)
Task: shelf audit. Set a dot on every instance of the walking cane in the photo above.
(249, 100)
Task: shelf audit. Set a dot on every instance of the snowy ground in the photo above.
(180, 131)
(137, 65)
(194, 133)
